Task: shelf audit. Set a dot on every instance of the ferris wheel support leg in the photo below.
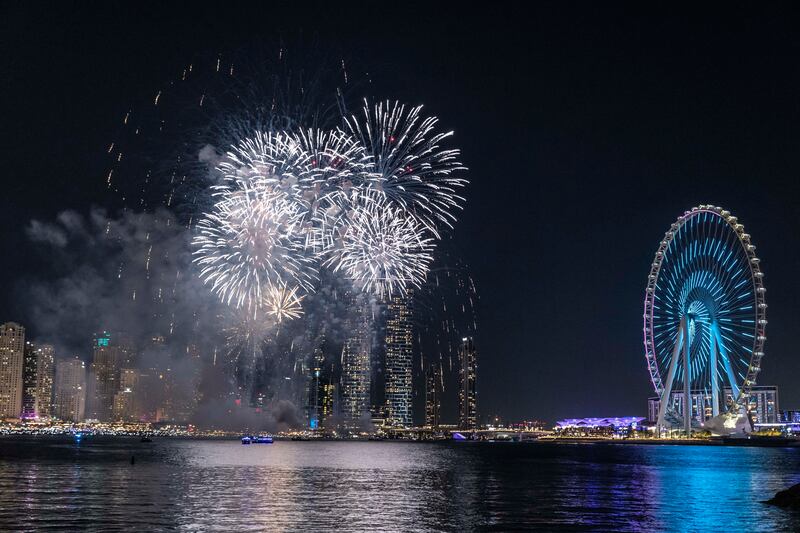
(726, 363)
(687, 387)
(714, 381)
(673, 365)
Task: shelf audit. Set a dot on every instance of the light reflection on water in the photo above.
(222, 485)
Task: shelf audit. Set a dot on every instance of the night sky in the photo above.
(587, 131)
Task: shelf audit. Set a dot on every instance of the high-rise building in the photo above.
(151, 388)
(45, 365)
(126, 400)
(316, 392)
(764, 404)
(468, 395)
(433, 400)
(327, 403)
(104, 376)
(398, 361)
(789, 416)
(12, 350)
(356, 372)
(29, 381)
(70, 390)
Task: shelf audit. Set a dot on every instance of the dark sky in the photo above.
(587, 130)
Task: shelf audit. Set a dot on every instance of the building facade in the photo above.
(45, 368)
(29, 368)
(104, 376)
(790, 416)
(433, 400)
(12, 355)
(763, 405)
(316, 389)
(398, 362)
(356, 373)
(70, 390)
(126, 401)
(37, 380)
(468, 393)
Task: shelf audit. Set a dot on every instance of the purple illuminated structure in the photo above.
(625, 421)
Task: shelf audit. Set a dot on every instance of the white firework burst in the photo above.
(253, 238)
(407, 163)
(273, 159)
(307, 165)
(379, 247)
(283, 302)
(313, 167)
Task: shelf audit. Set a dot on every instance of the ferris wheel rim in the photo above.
(756, 278)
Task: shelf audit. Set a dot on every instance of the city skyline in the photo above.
(542, 310)
(116, 385)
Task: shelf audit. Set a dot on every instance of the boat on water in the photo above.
(145, 438)
(259, 439)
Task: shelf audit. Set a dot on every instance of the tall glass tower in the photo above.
(356, 371)
(399, 358)
(106, 359)
(468, 395)
(29, 368)
(433, 402)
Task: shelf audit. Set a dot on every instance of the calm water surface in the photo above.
(190, 485)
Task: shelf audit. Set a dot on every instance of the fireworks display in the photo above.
(295, 210)
(366, 202)
(379, 248)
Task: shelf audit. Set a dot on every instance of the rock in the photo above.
(787, 498)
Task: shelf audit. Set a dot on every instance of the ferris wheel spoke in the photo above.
(726, 362)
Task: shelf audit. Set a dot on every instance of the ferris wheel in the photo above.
(704, 319)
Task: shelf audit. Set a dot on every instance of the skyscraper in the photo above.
(12, 349)
(106, 358)
(467, 395)
(398, 361)
(316, 389)
(126, 406)
(45, 365)
(70, 390)
(356, 372)
(433, 402)
(327, 402)
(29, 368)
